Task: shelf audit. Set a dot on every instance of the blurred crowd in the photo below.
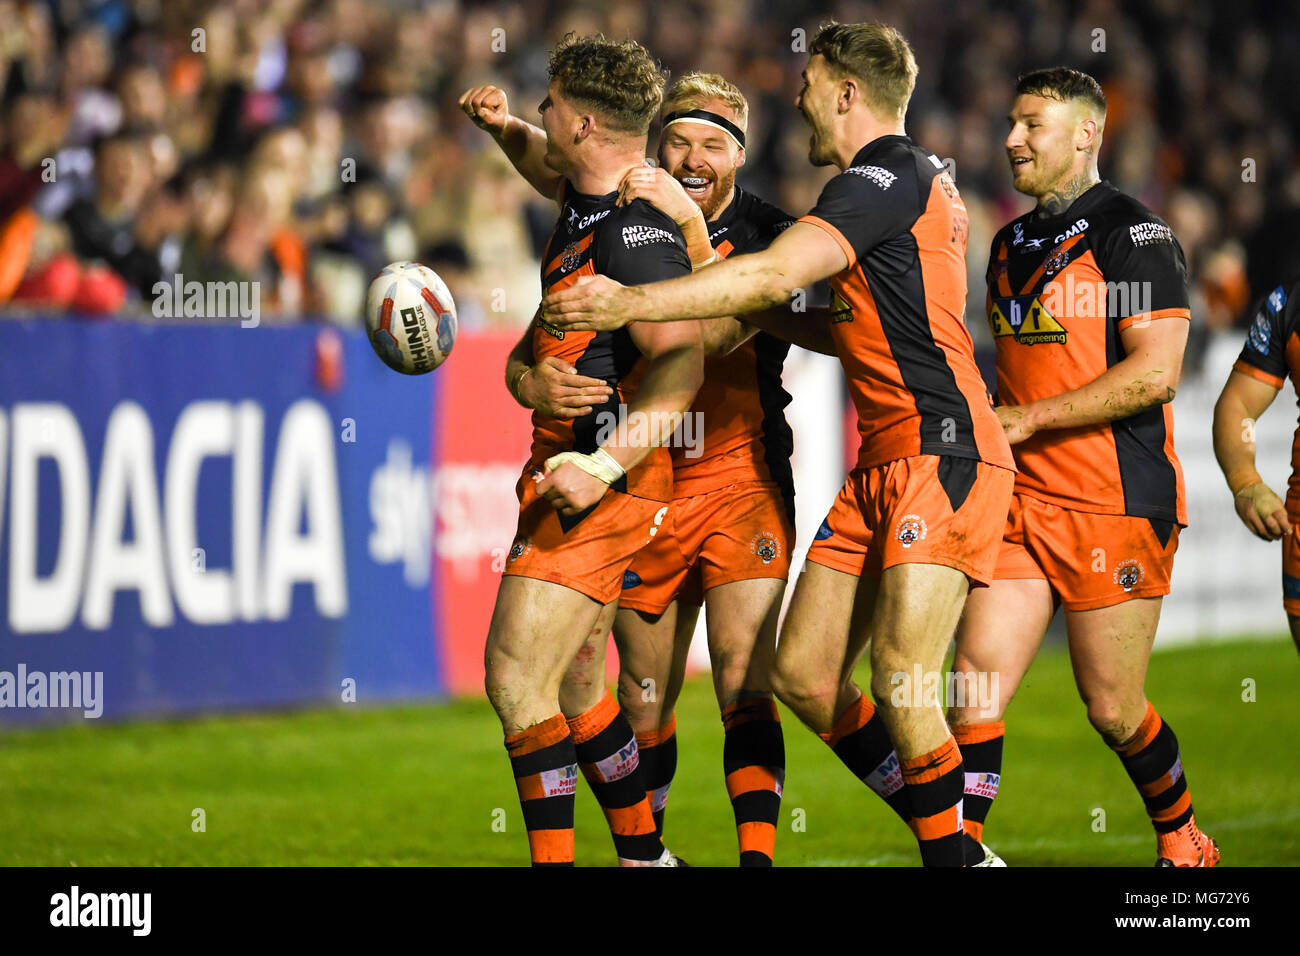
(303, 144)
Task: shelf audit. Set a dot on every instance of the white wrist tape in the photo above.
(600, 464)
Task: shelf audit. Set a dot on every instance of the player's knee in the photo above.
(1106, 714)
(506, 682)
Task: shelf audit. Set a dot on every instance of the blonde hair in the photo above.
(694, 90)
(875, 54)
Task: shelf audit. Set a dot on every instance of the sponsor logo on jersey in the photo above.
(911, 529)
(877, 174)
(1019, 230)
(634, 236)
(1150, 233)
(1079, 226)
(1260, 333)
(714, 235)
(573, 223)
(782, 226)
(619, 765)
(1026, 319)
(1276, 300)
(841, 311)
(1034, 245)
(631, 580)
(825, 531)
(1129, 573)
(520, 547)
(766, 546)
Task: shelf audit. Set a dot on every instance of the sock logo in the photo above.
(620, 764)
(560, 783)
(887, 779)
(982, 784)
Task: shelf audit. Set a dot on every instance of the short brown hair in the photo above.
(877, 56)
(1063, 83)
(693, 90)
(620, 80)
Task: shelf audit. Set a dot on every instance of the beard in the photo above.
(818, 152)
(719, 195)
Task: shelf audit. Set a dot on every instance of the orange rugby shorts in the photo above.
(1090, 560)
(927, 509)
(587, 553)
(735, 533)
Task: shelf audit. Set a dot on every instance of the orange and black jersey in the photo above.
(898, 309)
(742, 401)
(1272, 350)
(1061, 289)
(631, 244)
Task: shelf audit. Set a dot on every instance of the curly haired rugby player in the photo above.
(587, 506)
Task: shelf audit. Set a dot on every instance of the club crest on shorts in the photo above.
(1129, 573)
(911, 529)
(520, 547)
(766, 546)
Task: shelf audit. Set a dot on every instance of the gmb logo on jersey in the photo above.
(1026, 319)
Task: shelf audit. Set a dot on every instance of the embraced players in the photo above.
(1267, 358)
(587, 501)
(1088, 303)
(727, 539)
(920, 516)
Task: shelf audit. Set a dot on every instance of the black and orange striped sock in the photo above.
(753, 759)
(658, 750)
(981, 755)
(1155, 766)
(934, 782)
(546, 774)
(608, 756)
(861, 741)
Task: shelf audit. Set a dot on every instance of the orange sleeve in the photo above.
(1152, 316)
(1245, 368)
(835, 234)
(16, 240)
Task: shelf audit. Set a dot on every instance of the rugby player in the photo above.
(1267, 358)
(586, 505)
(919, 518)
(727, 539)
(1088, 304)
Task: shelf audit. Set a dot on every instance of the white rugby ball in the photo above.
(410, 318)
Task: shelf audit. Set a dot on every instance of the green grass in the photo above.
(420, 785)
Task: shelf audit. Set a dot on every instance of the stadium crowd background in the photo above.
(306, 144)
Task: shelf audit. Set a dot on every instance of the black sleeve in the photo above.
(1275, 321)
(641, 246)
(867, 205)
(770, 223)
(1147, 259)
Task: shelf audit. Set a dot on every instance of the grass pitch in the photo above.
(431, 785)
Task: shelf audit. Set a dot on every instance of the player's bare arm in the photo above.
(673, 377)
(551, 386)
(1239, 406)
(523, 144)
(1147, 376)
(810, 329)
(800, 256)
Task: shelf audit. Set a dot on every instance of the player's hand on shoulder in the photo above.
(592, 304)
(1262, 511)
(570, 490)
(554, 387)
(487, 106)
(656, 186)
(1016, 423)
